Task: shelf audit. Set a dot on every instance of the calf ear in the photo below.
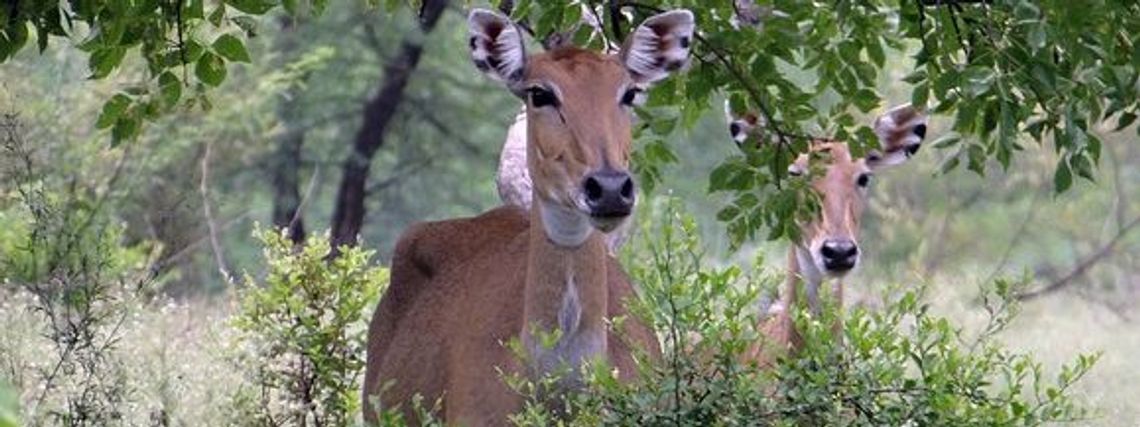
(740, 128)
(901, 132)
(659, 46)
(496, 46)
(745, 127)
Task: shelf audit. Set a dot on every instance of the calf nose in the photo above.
(609, 193)
(839, 255)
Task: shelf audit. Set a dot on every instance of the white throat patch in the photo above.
(564, 227)
(812, 275)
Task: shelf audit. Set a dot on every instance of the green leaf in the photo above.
(1037, 36)
(949, 164)
(231, 48)
(1062, 178)
(218, 15)
(252, 7)
(170, 88)
(866, 100)
(210, 69)
(112, 109)
(920, 95)
(978, 80)
(103, 61)
(126, 128)
(947, 140)
(1125, 120)
(247, 24)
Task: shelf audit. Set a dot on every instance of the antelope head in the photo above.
(830, 243)
(579, 111)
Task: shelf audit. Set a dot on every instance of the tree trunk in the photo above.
(285, 163)
(348, 215)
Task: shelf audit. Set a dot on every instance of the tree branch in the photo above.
(1084, 266)
(348, 215)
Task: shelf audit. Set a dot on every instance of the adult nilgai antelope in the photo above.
(462, 288)
(828, 247)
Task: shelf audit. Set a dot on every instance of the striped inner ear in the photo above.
(901, 132)
(659, 46)
(496, 46)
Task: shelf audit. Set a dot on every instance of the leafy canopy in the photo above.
(1006, 71)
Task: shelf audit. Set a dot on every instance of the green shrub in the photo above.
(900, 365)
(63, 250)
(304, 327)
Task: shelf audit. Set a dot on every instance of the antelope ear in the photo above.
(901, 132)
(745, 126)
(800, 166)
(659, 46)
(496, 46)
(738, 127)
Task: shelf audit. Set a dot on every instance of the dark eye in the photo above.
(541, 97)
(863, 180)
(633, 96)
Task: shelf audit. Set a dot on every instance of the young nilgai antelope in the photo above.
(828, 247)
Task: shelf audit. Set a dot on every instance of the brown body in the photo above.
(436, 319)
(462, 289)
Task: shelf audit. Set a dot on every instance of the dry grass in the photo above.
(174, 361)
(1054, 330)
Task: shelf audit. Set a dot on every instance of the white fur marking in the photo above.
(570, 314)
(648, 55)
(565, 227)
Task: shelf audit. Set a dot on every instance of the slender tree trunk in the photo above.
(348, 215)
(285, 163)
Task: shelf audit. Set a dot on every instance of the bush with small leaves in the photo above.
(304, 328)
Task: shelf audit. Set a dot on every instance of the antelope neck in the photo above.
(566, 290)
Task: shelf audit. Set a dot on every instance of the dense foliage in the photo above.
(900, 365)
(1006, 70)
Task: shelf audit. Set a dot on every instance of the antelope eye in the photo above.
(633, 96)
(863, 180)
(541, 97)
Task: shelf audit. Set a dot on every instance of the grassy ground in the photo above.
(173, 359)
(1055, 329)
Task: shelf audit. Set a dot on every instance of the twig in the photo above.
(203, 187)
(1084, 266)
(162, 263)
(305, 199)
(600, 28)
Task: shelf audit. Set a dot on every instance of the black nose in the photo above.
(839, 255)
(609, 193)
